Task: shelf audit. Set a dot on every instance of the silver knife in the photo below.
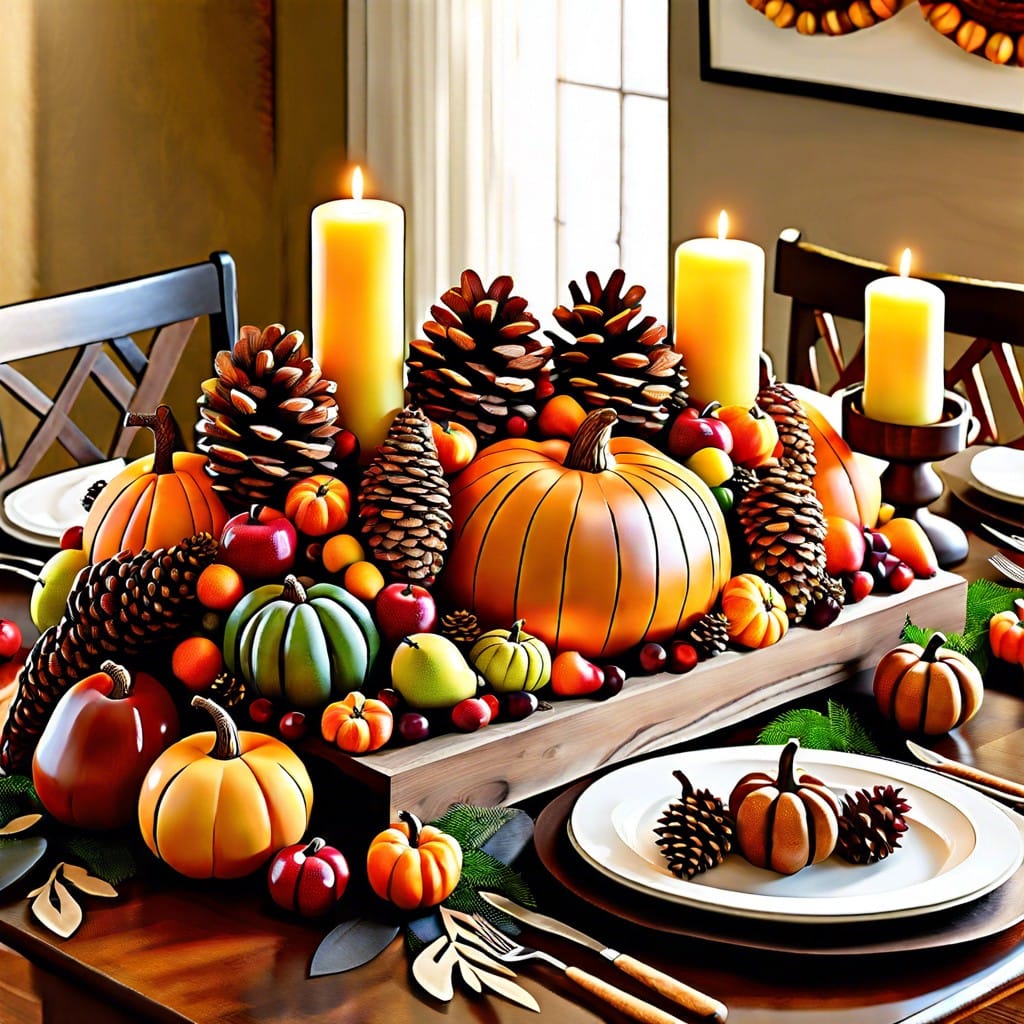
(690, 998)
(1007, 539)
(991, 785)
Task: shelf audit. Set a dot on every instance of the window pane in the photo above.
(645, 200)
(578, 252)
(645, 46)
(591, 48)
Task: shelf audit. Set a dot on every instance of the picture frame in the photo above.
(900, 64)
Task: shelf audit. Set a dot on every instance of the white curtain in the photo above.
(452, 114)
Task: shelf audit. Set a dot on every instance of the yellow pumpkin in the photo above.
(927, 689)
(220, 804)
(756, 611)
(1006, 634)
(598, 544)
(413, 865)
(155, 501)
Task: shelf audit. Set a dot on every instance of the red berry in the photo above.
(10, 639)
(520, 704)
(471, 714)
(517, 426)
(292, 726)
(72, 538)
(899, 578)
(652, 657)
(261, 710)
(614, 678)
(492, 702)
(390, 697)
(682, 657)
(545, 389)
(413, 727)
(858, 585)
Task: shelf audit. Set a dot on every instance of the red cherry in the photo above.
(899, 578)
(517, 426)
(520, 704)
(10, 639)
(545, 389)
(492, 702)
(858, 585)
(682, 657)
(292, 726)
(261, 710)
(346, 446)
(413, 727)
(390, 697)
(614, 678)
(652, 657)
(71, 538)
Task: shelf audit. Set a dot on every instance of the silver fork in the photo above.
(1010, 569)
(511, 952)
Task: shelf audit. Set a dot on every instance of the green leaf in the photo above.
(106, 857)
(984, 599)
(912, 634)
(473, 826)
(840, 730)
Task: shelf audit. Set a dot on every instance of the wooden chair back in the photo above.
(98, 324)
(825, 285)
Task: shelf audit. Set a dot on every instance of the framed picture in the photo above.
(899, 64)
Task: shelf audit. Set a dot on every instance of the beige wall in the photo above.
(852, 178)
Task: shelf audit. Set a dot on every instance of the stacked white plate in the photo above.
(960, 845)
(999, 473)
(38, 512)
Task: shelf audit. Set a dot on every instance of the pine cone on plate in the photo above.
(696, 831)
(871, 824)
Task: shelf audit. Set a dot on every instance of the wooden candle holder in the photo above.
(909, 483)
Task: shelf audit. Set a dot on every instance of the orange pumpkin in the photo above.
(782, 823)
(598, 544)
(155, 501)
(318, 505)
(1006, 634)
(756, 611)
(357, 725)
(927, 689)
(218, 805)
(413, 865)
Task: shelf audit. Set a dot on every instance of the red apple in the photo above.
(899, 578)
(10, 639)
(72, 538)
(456, 445)
(260, 544)
(682, 657)
(573, 676)
(692, 430)
(402, 609)
(308, 878)
(471, 714)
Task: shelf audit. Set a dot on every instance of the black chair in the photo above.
(98, 324)
(824, 284)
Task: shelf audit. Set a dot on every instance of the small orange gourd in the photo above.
(756, 611)
(155, 501)
(1006, 634)
(413, 865)
(219, 804)
(318, 505)
(356, 724)
(782, 823)
(927, 689)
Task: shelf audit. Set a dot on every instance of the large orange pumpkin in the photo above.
(155, 501)
(598, 544)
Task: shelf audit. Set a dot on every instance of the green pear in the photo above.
(50, 593)
(429, 671)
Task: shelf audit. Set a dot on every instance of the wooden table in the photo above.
(168, 950)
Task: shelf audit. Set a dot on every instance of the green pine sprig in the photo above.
(17, 796)
(838, 729)
(473, 826)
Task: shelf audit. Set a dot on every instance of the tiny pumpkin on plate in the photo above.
(1006, 634)
(357, 724)
(756, 611)
(927, 689)
(414, 865)
(318, 505)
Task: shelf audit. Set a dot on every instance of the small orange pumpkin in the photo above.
(318, 505)
(927, 689)
(1006, 634)
(356, 724)
(782, 823)
(155, 501)
(413, 865)
(756, 611)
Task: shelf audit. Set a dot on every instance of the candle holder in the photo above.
(909, 483)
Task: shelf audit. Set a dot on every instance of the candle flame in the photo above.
(905, 263)
(723, 225)
(357, 183)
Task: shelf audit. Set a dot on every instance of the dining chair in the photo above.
(97, 326)
(825, 285)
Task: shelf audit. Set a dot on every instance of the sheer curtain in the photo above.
(452, 113)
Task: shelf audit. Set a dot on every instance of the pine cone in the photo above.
(267, 419)
(612, 360)
(709, 635)
(742, 480)
(405, 503)
(461, 627)
(116, 607)
(696, 831)
(480, 363)
(871, 824)
(228, 690)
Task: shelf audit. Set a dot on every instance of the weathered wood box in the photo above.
(509, 761)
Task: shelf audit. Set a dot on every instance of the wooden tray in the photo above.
(510, 761)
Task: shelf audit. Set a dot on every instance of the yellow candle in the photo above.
(358, 309)
(904, 323)
(719, 316)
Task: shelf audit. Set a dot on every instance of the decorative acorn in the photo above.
(871, 824)
(696, 831)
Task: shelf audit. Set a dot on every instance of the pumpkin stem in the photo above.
(786, 782)
(324, 488)
(931, 652)
(293, 590)
(588, 450)
(165, 431)
(315, 846)
(683, 781)
(121, 678)
(227, 745)
(513, 633)
(415, 825)
(709, 409)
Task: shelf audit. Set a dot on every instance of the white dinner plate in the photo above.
(44, 508)
(959, 846)
(999, 473)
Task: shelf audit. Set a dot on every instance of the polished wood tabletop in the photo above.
(219, 953)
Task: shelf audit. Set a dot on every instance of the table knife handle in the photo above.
(971, 774)
(690, 998)
(624, 1001)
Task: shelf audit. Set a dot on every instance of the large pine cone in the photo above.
(268, 419)
(696, 831)
(116, 607)
(615, 359)
(480, 363)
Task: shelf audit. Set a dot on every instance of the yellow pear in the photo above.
(429, 671)
(50, 592)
